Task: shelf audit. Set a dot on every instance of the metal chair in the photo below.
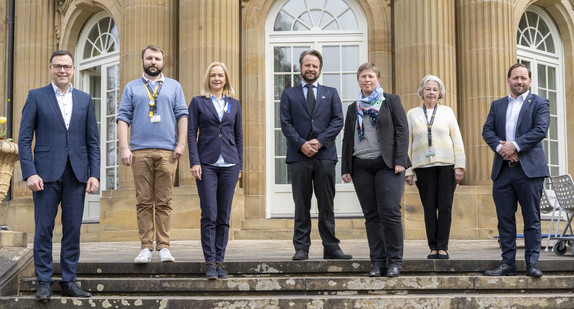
(547, 207)
(564, 189)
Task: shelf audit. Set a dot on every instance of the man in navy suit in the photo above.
(514, 130)
(311, 119)
(65, 165)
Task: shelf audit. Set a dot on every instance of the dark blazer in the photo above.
(54, 143)
(531, 129)
(392, 133)
(299, 126)
(216, 137)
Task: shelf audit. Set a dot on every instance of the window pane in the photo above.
(282, 82)
(280, 144)
(282, 59)
(553, 130)
(306, 19)
(336, 7)
(281, 172)
(111, 128)
(327, 18)
(111, 154)
(350, 86)
(350, 58)
(277, 107)
(111, 102)
(552, 98)
(331, 58)
(541, 75)
(316, 16)
(283, 22)
(110, 179)
(331, 80)
(553, 153)
(300, 26)
(348, 21)
(552, 78)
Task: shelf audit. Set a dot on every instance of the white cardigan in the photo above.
(446, 139)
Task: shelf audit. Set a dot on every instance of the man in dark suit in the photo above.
(65, 165)
(311, 118)
(514, 130)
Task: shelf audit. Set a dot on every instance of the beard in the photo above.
(312, 80)
(150, 73)
(519, 92)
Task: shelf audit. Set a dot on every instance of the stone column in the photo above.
(35, 41)
(425, 44)
(146, 22)
(487, 48)
(209, 31)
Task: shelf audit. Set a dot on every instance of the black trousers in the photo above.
(380, 191)
(436, 186)
(306, 176)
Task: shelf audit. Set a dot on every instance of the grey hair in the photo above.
(431, 78)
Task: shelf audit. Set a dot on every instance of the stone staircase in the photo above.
(314, 283)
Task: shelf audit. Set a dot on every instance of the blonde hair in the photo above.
(227, 88)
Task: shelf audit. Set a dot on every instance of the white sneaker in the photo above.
(165, 255)
(144, 257)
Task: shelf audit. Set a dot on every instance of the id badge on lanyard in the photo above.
(153, 116)
(429, 152)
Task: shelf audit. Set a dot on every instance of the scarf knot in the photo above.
(370, 106)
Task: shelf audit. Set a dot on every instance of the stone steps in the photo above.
(448, 300)
(314, 283)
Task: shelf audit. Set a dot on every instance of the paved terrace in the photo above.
(282, 250)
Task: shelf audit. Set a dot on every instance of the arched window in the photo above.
(337, 29)
(540, 48)
(98, 73)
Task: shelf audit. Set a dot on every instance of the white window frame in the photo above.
(316, 40)
(556, 60)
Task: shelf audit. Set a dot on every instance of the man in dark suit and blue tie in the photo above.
(514, 130)
(311, 119)
(65, 165)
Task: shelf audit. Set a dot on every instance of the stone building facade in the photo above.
(469, 44)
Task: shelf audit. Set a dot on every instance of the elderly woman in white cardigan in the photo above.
(437, 154)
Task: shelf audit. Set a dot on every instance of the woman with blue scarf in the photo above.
(375, 145)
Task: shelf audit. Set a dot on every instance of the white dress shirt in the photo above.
(65, 103)
(512, 113)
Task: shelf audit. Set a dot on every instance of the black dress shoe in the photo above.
(502, 270)
(532, 270)
(300, 255)
(394, 271)
(337, 255)
(377, 270)
(70, 289)
(432, 256)
(442, 256)
(44, 291)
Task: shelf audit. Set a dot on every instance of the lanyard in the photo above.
(152, 96)
(429, 124)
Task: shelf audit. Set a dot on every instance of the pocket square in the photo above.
(323, 97)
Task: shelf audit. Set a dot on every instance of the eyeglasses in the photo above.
(59, 67)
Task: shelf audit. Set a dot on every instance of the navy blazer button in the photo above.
(220, 135)
(219, 126)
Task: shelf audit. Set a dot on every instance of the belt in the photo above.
(511, 164)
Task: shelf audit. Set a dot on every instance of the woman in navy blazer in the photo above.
(216, 159)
